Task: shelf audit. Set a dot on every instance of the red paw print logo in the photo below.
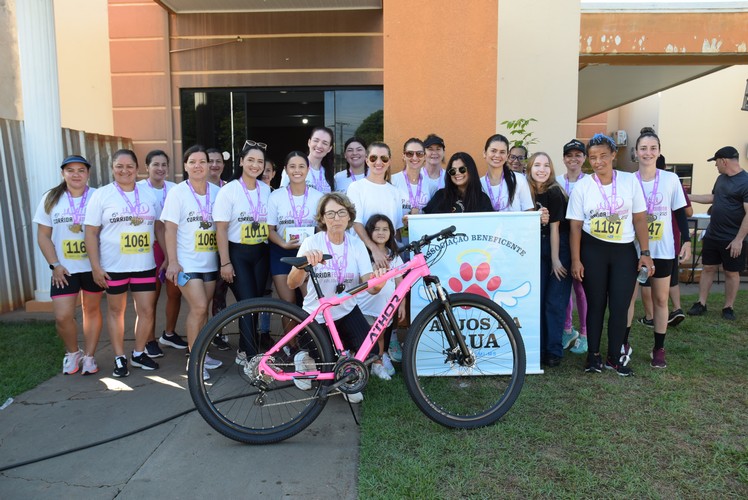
(481, 285)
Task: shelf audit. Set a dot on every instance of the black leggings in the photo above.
(609, 280)
(251, 266)
(352, 329)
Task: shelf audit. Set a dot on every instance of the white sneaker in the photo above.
(241, 357)
(89, 365)
(380, 371)
(387, 362)
(210, 363)
(354, 398)
(72, 362)
(303, 362)
(206, 375)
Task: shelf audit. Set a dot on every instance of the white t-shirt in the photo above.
(567, 185)
(588, 205)
(427, 189)
(439, 182)
(314, 178)
(342, 181)
(669, 197)
(126, 220)
(233, 207)
(69, 246)
(370, 198)
(284, 216)
(197, 251)
(358, 264)
(499, 195)
(373, 305)
(159, 193)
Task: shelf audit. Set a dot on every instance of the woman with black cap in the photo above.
(435, 150)
(61, 240)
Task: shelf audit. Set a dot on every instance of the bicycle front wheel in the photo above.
(458, 391)
(233, 400)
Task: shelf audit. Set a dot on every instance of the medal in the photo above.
(205, 224)
(75, 228)
(496, 204)
(136, 221)
(254, 209)
(339, 265)
(340, 288)
(255, 226)
(651, 217)
(205, 211)
(610, 203)
(613, 218)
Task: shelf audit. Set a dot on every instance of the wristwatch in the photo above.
(52, 266)
(645, 253)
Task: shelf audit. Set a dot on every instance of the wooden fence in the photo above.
(17, 210)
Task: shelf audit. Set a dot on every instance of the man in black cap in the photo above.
(724, 242)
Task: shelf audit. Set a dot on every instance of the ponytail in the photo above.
(54, 195)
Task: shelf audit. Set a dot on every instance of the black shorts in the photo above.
(76, 283)
(205, 277)
(141, 281)
(715, 252)
(663, 269)
(276, 266)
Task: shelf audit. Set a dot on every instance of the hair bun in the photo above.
(647, 130)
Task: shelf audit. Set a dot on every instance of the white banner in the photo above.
(498, 258)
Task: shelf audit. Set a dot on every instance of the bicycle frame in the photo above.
(418, 269)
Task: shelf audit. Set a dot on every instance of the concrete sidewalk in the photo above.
(183, 458)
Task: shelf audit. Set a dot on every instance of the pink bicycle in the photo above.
(463, 360)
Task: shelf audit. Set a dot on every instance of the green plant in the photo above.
(519, 130)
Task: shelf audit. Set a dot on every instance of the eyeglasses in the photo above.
(517, 158)
(374, 158)
(453, 171)
(342, 214)
(409, 154)
(260, 145)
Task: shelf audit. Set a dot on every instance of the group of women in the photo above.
(203, 235)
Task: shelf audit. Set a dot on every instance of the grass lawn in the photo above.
(30, 353)
(672, 433)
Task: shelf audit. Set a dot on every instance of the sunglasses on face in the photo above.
(261, 145)
(374, 158)
(419, 154)
(453, 171)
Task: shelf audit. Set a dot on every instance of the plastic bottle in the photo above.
(643, 274)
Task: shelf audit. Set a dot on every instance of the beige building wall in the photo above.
(538, 69)
(82, 35)
(631, 119)
(10, 72)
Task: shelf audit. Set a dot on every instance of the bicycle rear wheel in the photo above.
(474, 393)
(229, 401)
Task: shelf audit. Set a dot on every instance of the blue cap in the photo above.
(75, 159)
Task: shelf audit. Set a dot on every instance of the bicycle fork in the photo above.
(458, 351)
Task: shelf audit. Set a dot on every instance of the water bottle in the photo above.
(643, 274)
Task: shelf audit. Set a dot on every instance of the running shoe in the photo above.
(221, 343)
(387, 362)
(567, 338)
(303, 362)
(646, 322)
(354, 398)
(728, 314)
(619, 367)
(396, 352)
(89, 365)
(153, 350)
(143, 361)
(697, 309)
(379, 371)
(211, 363)
(72, 362)
(172, 340)
(241, 358)
(120, 367)
(675, 317)
(658, 358)
(626, 352)
(580, 346)
(594, 363)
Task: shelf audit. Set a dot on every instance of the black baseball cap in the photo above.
(75, 159)
(433, 139)
(575, 145)
(728, 152)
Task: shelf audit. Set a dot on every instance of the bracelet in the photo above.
(226, 264)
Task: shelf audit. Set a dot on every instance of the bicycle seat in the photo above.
(300, 261)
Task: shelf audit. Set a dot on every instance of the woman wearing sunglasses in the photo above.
(240, 213)
(462, 190)
(355, 157)
(374, 195)
(415, 188)
(321, 161)
(507, 191)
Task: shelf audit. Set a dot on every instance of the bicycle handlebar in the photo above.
(301, 262)
(428, 238)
